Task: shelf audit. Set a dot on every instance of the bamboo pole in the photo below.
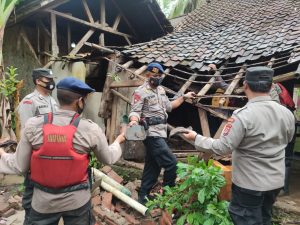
(102, 176)
(129, 201)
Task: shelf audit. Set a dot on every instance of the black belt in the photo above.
(155, 121)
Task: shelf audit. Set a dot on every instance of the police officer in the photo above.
(40, 101)
(55, 147)
(150, 105)
(36, 103)
(256, 135)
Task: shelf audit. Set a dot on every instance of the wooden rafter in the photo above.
(95, 25)
(87, 11)
(187, 84)
(117, 22)
(125, 18)
(44, 28)
(82, 41)
(232, 85)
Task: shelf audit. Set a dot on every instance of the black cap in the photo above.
(259, 74)
(42, 72)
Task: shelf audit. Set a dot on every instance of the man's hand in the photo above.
(133, 122)
(189, 95)
(212, 67)
(190, 135)
(2, 152)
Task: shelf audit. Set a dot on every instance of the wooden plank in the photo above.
(113, 121)
(125, 18)
(54, 35)
(102, 13)
(27, 42)
(204, 123)
(126, 83)
(117, 22)
(140, 70)
(128, 41)
(99, 47)
(118, 94)
(87, 11)
(82, 41)
(207, 86)
(127, 64)
(186, 85)
(101, 39)
(232, 85)
(93, 25)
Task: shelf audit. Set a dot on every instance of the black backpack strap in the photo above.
(75, 120)
(48, 118)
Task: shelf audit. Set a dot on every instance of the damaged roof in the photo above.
(222, 30)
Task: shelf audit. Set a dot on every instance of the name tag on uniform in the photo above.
(42, 106)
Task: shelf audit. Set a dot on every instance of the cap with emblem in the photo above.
(42, 72)
(74, 85)
(259, 74)
(155, 68)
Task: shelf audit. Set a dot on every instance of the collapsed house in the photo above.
(233, 35)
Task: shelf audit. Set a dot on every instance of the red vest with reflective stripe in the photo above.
(56, 164)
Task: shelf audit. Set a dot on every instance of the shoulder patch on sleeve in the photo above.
(136, 97)
(27, 101)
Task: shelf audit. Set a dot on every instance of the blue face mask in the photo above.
(155, 82)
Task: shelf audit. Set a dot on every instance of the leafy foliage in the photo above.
(94, 163)
(114, 76)
(175, 8)
(195, 197)
(8, 83)
(6, 7)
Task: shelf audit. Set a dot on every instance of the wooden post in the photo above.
(204, 123)
(38, 41)
(102, 21)
(54, 35)
(69, 36)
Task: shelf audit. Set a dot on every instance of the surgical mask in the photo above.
(155, 81)
(48, 85)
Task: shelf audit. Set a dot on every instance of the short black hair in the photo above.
(261, 86)
(66, 97)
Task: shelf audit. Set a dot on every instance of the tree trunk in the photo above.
(5, 113)
(1, 54)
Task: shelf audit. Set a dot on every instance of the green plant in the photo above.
(195, 197)
(114, 76)
(9, 82)
(94, 163)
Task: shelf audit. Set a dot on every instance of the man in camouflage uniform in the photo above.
(256, 135)
(150, 105)
(39, 102)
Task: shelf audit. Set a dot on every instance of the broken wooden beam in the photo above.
(101, 48)
(82, 41)
(95, 25)
(204, 123)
